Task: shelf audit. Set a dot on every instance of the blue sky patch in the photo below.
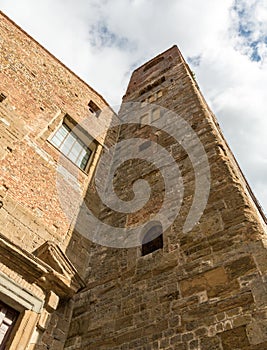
(101, 36)
(255, 55)
(194, 60)
(249, 30)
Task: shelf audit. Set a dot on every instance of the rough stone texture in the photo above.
(206, 288)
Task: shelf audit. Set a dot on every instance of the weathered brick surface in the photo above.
(38, 90)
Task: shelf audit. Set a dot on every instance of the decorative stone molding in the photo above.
(46, 272)
(19, 295)
(48, 267)
(64, 279)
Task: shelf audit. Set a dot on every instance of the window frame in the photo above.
(80, 135)
(28, 307)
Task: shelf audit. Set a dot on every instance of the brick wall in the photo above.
(39, 91)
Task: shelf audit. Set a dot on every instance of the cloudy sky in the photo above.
(224, 41)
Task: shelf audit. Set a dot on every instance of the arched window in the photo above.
(153, 239)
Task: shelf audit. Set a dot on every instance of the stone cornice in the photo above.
(47, 267)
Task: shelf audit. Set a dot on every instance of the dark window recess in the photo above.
(165, 70)
(153, 63)
(93, 108)
(2, 97)
(153, 240)
(152, 86)
(8, 317)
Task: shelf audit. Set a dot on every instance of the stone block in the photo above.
(235, 339)
(257, 332)
(44, 319)
(52, 301)
(212, 281)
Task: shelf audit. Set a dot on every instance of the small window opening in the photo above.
(93, 108)
(70, 144)
(2, 97)
(152, 86)
(153, 240)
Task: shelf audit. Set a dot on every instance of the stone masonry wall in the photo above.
(206, 289)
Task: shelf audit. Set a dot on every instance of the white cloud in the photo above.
(104, 40)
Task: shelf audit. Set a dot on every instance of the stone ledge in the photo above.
(48, 267)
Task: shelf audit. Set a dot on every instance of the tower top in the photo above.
(154, 68)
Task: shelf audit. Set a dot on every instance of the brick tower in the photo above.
(201, 288)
